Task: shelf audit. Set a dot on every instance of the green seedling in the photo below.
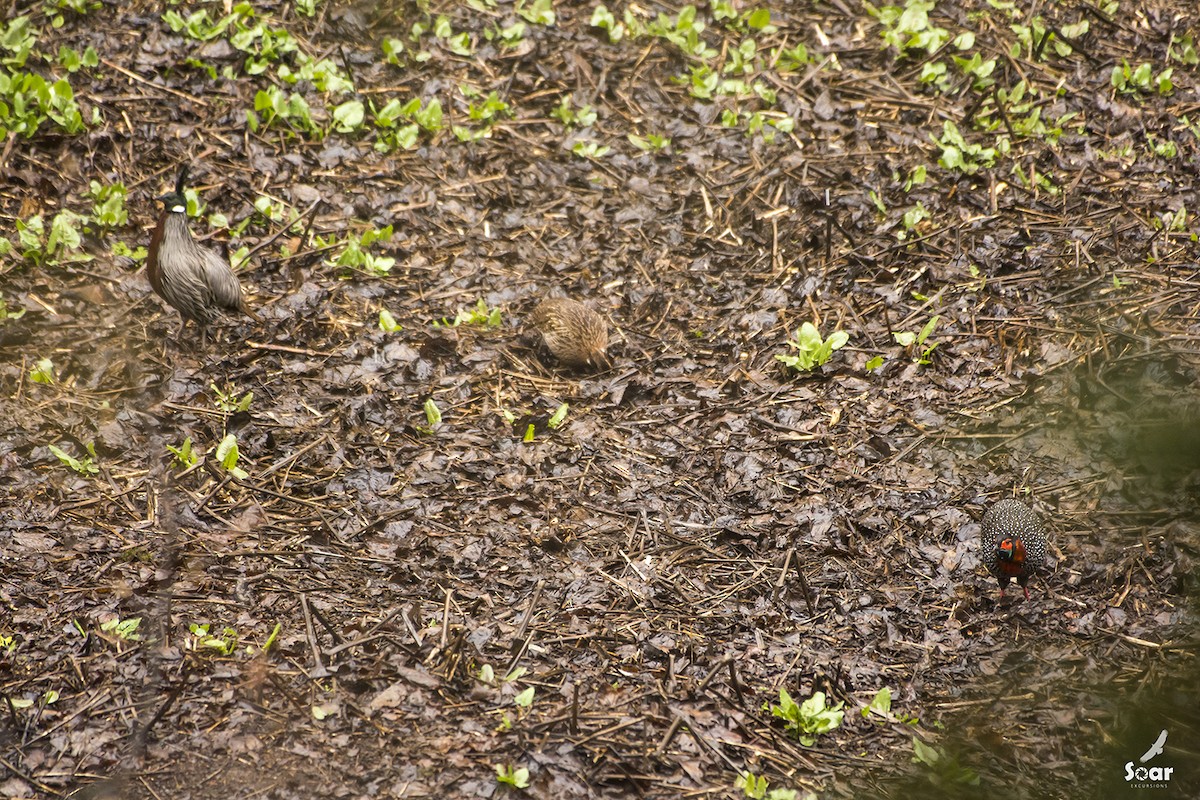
(123, 628)
(201, 641)
(944, 769)
(881, 704)
(538, 12)
(755, 19)
(958, 155)
(480, 315)
(266, 647)
(60, 246)
(228, 454)
(184, 456)
(42, 372)
(72, 61)
(683, 30)
(811, 350)
(199, 26)
(393, 50)
(307, 8)
(524, 699)
(558, 417)
(289, 114)
(399, 125)
(586, 148)
(791, 59)
(603, 18)
(349, 116)
(909, 339)
(321, 73)
(108, 205)
(874, 363)
(808, 720)
(508, 37)
(354, 254)
(323, 711)
(568, 115)
(488, 675)
(1130, 80)
(227, 401)
(909, 28)
(650, 143)
(1183, 50)
(1163, 149)
(6, 315)
(121, 250)
(1170, 221)
(433, 417)
(912, 218)
(755, 786)
(387, 323)
(84, 466)
(17, 40)
(516, 777)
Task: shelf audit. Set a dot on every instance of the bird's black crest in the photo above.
(181, 180)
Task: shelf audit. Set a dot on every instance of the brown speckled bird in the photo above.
(576, 335)
(1014, 543)
(193, 279)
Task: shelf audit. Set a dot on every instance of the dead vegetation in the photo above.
(704, 528)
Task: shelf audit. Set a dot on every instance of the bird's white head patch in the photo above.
(178, 209)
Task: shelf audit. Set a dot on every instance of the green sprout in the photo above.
(6, 315)
(84, 466)
(227, 455)
(944, 769)
(1141, 79)
(603, 18)
(516, 777)
(480, 315)
(908, 339)
(184, 456)
(811, 350)
(108, 205)
(539, 12)
(586, 148)
(755, 787)
(957, 154)
(810, 719)
(123, 628)
(202, 641)
(433, 415)
(650, 143)
(387, 323)
(568, 115)
(228, 402)
(42, 372)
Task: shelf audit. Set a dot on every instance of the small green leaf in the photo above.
(433, 415)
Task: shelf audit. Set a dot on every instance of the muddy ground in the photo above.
(608, 604)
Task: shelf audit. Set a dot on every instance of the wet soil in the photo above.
(610, 603)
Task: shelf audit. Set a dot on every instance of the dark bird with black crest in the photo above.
(194, 280)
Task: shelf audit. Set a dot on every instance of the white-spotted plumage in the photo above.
(1014, 543)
